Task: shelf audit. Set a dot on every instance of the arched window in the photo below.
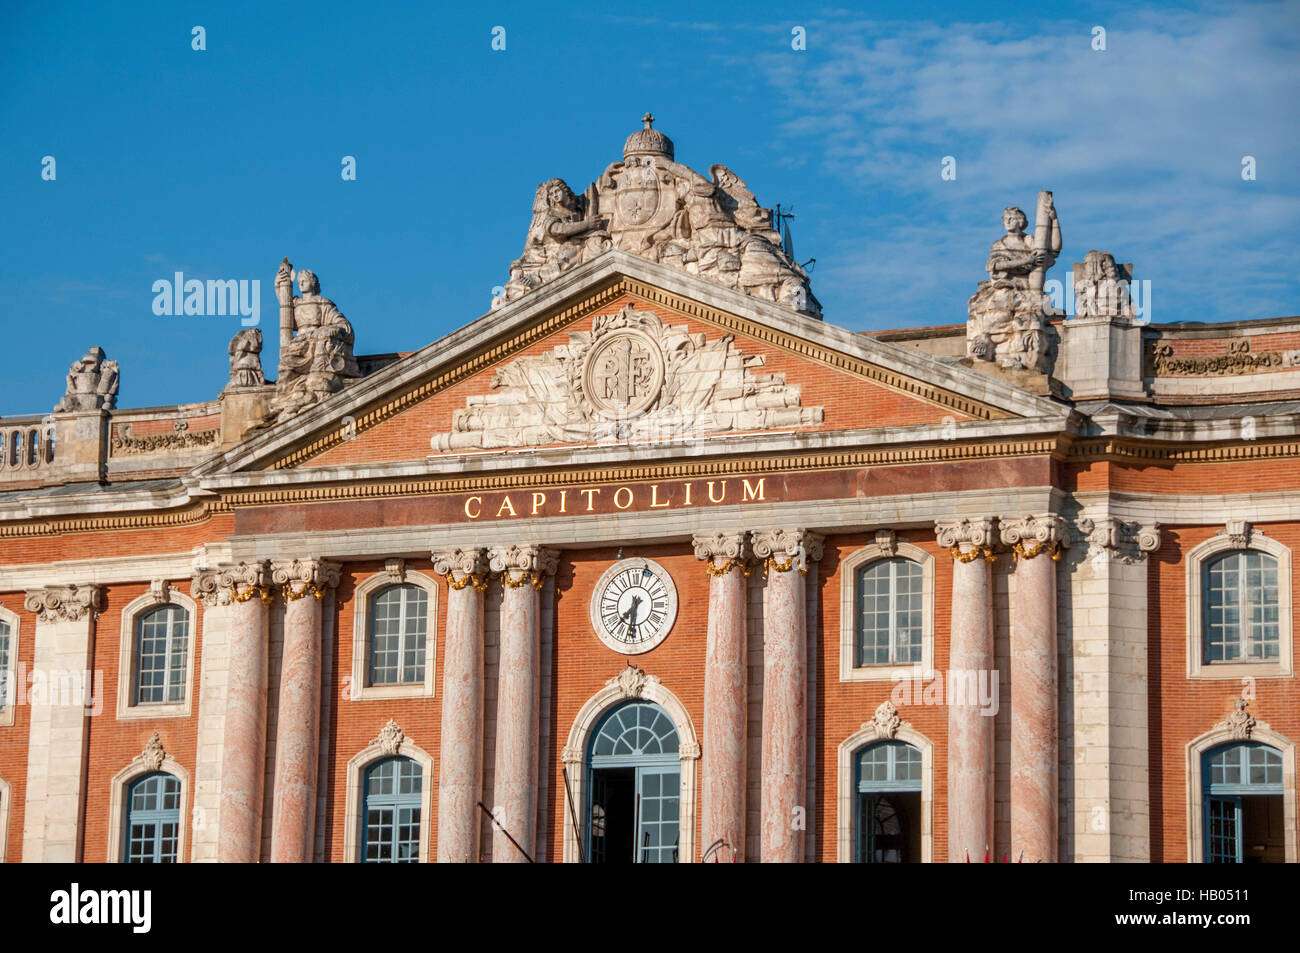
(1241, 607)
(153, 820)
(888, 601)
(162, 655)
(635, 783)
(888, 795)
(4, 664)
(399, 626)
(391, 812)
(1243, 812)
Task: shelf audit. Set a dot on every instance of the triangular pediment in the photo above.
(621, 349)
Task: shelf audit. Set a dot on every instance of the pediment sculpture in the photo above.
(655, 207)
(631, 377)
(1009, 315)
(316, 358)
(1101, 287)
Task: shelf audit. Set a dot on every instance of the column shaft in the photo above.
(243, 765)
(297, 739)
(725, 712)
(1034, 750)
(518, 697)
(460, 776)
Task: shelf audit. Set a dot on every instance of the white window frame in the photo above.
(1196, 750)
(354, 798)
(846, 786)
(117, 805)
(883, 672)
(1196, 560)
(7, 712)
(126, 667)
(360, 690)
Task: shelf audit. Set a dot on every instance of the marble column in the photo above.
(726, 698)
(1036, 542)
(523, 570)
(302, 583)
(783, 817)
(243, 763)
(460, 771)
(970, 669)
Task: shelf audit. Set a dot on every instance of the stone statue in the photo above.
(654, 207)
(315, 345)
(92, 384)
(246, 359)
(1101, 287)
(1009, 315)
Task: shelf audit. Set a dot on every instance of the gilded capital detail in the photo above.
(532, 564)
(302, 577)
(232, 582)
(1031, 535)
(463, 567)
(723, 552)
(64, 603)
(786, 548)
(967, 539)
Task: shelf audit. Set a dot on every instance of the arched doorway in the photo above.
(888, 804)
(634, 779)
(1243, 812)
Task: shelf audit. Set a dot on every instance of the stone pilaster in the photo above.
(970, 664)
(523, 570)
(726, 697)
(460, 774)
(1111, 793)
(1036, 542)
(63, 696)
(784, 815)
(302, 583)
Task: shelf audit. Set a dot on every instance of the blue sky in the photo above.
(219, 163)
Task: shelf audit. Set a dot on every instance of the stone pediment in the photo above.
(632, 377)
(525, 375)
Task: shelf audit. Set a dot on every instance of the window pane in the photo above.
(391, 832)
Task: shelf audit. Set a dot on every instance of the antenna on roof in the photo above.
(782, 223)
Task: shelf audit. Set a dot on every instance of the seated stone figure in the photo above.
(1008, 314)
(315, 345)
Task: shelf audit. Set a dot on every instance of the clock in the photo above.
(634, 605)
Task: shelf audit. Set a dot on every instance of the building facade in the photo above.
(655, 563)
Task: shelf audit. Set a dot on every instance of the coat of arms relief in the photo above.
(631, 377)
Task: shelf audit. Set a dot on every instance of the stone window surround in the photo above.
(574, 757)
(7, 712)
(846, 795)
(6, 796)
(1196, 559)
(117, 805)
(1221, 735)
(126, 665)
(361, 600)
(848, 612)
(354, 799)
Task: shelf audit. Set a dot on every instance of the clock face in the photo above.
(634, 606)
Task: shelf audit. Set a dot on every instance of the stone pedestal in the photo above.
(725, 695)
(460, 776)
(970, 728)
(522, 569)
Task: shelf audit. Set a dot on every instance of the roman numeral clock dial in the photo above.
(633, 606)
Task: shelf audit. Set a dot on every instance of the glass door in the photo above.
(658, 800)
(1223, 818)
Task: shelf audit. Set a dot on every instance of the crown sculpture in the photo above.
(1009, 315)
(654, 207)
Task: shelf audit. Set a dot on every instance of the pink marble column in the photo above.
(522, 569)
(243, 756)
(970, 665)
(783, 816)
(1033, 670)
(725, 695)
(297, 740)
(460, 772)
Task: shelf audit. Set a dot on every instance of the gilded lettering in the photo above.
(506, 505)
(617, 493)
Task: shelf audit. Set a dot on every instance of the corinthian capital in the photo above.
(1127, 540)
(230, 582)
(300, 577)
(976, 533)
(796, 546)
(459, 563)
(1031, 535)
(64, 603)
